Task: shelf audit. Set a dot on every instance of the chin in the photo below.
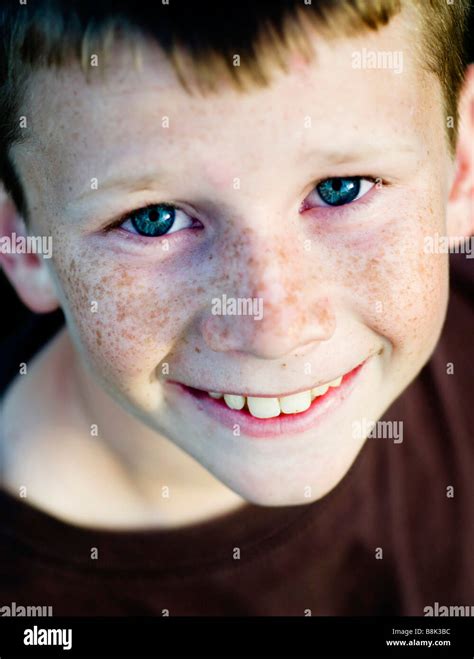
(281, 490)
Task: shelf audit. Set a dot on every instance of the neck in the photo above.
(105, 467)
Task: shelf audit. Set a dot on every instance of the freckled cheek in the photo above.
(411, 301)
(400, 290)
(421, 289)
(127, 320)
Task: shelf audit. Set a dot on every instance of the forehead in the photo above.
(144, 116)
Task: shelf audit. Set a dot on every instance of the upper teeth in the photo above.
(265, 408)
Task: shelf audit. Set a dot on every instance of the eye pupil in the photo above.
(339, 191)
(154, 220)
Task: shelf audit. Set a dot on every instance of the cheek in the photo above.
(125, 318)
(400, 289)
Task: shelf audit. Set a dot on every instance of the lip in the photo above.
(285, 424)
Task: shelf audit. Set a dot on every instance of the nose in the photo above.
(276, 306)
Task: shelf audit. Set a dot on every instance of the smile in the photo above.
(270, 416)
(268, 407)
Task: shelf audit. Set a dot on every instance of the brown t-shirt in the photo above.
(394, 536)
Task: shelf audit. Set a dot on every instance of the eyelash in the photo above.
(116, 224)
(342, 208)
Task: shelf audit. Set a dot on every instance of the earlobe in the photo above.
(460, 212)
(26, 270)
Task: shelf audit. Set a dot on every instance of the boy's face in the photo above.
(340, 285)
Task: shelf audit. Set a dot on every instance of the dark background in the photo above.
(15, 315)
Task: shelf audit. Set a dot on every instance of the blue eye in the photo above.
(338, 191)
(156, 220)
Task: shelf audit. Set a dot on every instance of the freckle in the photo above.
(210, 257)
(197, 349)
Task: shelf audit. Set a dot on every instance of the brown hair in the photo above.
(201, 43)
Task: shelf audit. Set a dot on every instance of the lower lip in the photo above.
(285, 424)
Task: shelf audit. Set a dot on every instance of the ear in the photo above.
(27, 272)
(460, 212)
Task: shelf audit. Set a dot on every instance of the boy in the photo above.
(245, 204)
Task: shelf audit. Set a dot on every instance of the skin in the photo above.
(339, 285)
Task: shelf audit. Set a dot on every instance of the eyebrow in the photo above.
(363, 151)
(145, 181)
